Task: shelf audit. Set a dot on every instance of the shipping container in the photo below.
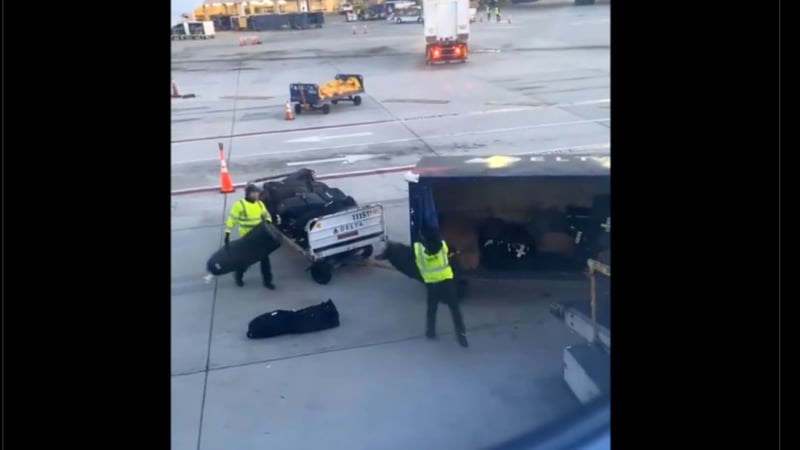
(222, 23)
(273, 22)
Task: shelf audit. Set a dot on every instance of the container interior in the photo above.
(524, 225)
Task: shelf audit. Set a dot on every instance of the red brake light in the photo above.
(457, 51)
(436, 53)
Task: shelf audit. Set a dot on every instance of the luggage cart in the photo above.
(306, 96)
(335, 239)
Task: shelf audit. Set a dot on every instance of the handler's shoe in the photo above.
(462, 340)
(240, 283)
(269, 285)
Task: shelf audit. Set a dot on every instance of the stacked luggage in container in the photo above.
(531, 217)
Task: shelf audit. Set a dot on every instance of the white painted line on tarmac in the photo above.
(578, 23)
(327, 176)
(398, 141)
(395, 121)
(344, 159)
(576, 148)
(321, 138)
(538, 107)
(392, 169)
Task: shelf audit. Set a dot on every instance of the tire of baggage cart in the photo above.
(298, 108)
(321, 272)
(326, 108)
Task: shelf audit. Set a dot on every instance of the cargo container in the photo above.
(527, 217)
(223, 23)
(274, 22)
(180, 31)
(446, 30)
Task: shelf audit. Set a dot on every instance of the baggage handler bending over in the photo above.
(248, 213)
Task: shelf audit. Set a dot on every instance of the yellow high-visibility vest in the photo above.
(433, 268)
(247, 215)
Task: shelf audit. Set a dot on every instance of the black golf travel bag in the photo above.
(242, 253)
(306, 320)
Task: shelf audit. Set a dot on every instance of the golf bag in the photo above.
(246, 251)
(279, 322)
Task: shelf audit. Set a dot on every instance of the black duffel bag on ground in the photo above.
(276, 323)
(243, 253)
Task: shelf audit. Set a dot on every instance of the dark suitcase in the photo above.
(332, 195)
(294, 226)
(244, 252)
(278, 192)
(319, 186)
(303, 177)
(505, 246)
(301, 204)
(276, 323)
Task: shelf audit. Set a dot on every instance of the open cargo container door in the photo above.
(531, 217)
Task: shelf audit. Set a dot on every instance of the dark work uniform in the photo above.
(441, 287)
(247, 215)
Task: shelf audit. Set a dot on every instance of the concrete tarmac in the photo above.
(539, 83)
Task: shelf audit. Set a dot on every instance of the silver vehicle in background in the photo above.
(411, 14)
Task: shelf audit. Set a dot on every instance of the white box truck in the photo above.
(202, 30)
(446, 30)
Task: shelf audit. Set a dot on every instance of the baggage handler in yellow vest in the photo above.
(248, 213)
(433, 262)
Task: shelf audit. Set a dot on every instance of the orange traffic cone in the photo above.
(225, 184)
(242, 42)
(289, 114)
(365, 29)
(175, 92)
(354, 30)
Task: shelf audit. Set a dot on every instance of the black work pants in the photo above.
(444, 292)
(266, 271)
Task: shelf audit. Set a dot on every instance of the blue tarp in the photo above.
(430, 218)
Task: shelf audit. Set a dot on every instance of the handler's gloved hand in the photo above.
(227, 239)
(277, 219)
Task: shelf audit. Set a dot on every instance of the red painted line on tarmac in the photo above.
(329, 176)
